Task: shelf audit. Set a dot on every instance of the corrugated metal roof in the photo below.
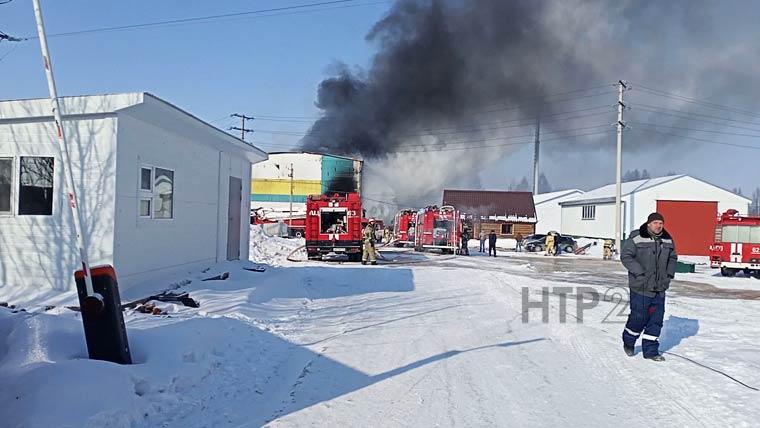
(544, 197)
(608, 191)
(491, 203)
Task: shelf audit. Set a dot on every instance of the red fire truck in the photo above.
(737, 245)
(439, 228)
(334, 225)
(403, 227)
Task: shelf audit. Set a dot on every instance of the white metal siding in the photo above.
(197, 235)
(549, 214)
(639, 204)
(603, 225)
(37, 253)
(682, 189)
(306, 166)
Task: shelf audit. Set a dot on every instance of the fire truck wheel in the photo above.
(299, 234)
(747, 272)
(728, 271)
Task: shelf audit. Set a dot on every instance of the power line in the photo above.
(690, 113)
(657, 125)
(286, 120)
(426, 148)
(499, 138)
(10, 51)
(261, 116)
(205, 19)
(699, 139)
(522, 101)
(691, 100)
(523, 104)
(504, 144)
(8, 38)
(470, 128)
(700, 120)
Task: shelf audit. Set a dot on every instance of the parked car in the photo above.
(537, 243)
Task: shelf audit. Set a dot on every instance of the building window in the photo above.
(35, 196)
(156, 198)
(146, 179)
(589, 212)
(506, 229)
(6, 185)
(145, 204)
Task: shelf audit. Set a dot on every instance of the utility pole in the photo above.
(290, 213)
(94, 298)
(243, 130)
(619, 165)
(535, 154)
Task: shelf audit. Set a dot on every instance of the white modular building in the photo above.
(160, 191)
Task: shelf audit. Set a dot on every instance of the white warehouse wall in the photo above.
(603, 225)
(685, 188)
(38, 254)
(549, 212)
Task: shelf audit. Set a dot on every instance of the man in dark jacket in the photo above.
(492, 243)
(649, 254)
(465, 240)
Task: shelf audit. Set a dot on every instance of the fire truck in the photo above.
(439, 228)
(737, 245)
(403, 227)
(334, 225)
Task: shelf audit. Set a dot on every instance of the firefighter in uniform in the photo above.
(607, 249)
(388, 235)
(465, 239)
(550, 249)
(368, 241)
(649, 255)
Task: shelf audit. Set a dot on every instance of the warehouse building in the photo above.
(690, 206)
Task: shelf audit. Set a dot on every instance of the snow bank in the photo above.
(49, 382)
(271, 249)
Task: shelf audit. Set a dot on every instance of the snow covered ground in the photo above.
(438, 341)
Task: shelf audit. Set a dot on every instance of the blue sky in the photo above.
(272, 65)
(267, 65)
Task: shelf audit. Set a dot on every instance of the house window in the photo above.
(6, 184)
(589, 212)
(35, 195)
(156, 198)
(506, 229)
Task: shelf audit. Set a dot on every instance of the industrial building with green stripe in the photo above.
(287, 178)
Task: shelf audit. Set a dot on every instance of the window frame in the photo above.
(151, 195)
(53, 196)
(510, 226)
(588, 212)
(12, 209)
(150, 180)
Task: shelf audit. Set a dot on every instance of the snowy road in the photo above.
(440, 343)
(457, 354)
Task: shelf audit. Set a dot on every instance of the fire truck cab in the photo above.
(438, 228)
(403, 227)
(737, 245)
(334, 225)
